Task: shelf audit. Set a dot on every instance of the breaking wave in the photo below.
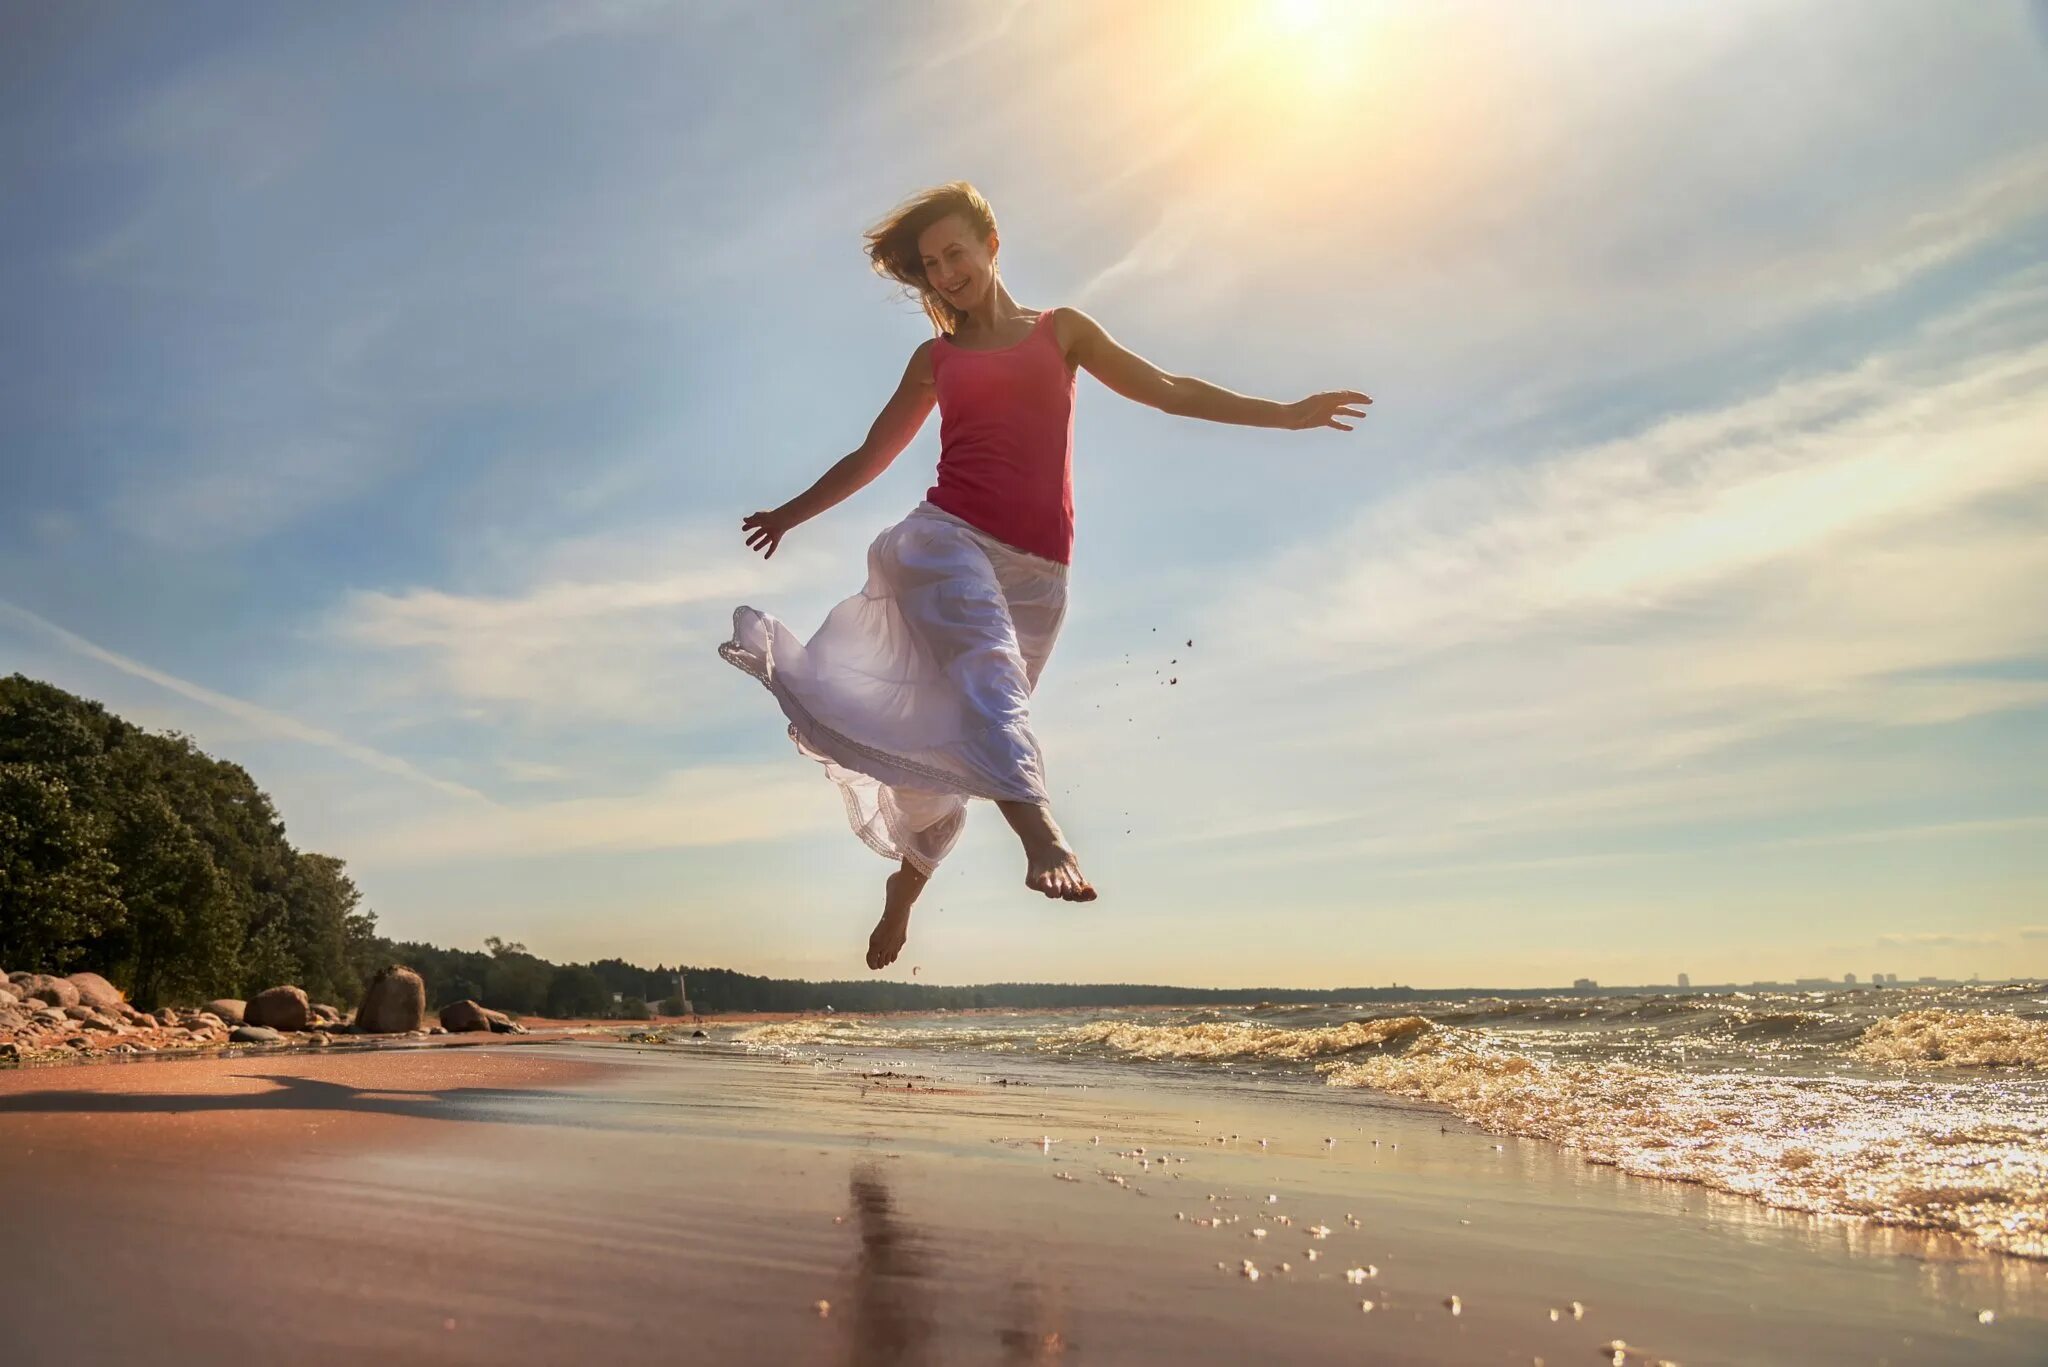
(1241, 1039)
(1880, 1105)
(1956, 1039)
(1932, 1156)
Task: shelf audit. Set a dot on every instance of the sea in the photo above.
(1918, 1107)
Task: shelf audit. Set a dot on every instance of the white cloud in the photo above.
(532, 771)
(711, 804)
(261, 720)
(1869, 462)
(603, 628)
(1939, 940)
(1668, 630)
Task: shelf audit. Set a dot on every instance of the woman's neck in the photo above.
(988, 320)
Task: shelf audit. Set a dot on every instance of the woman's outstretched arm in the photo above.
(897, 423)
(1136, 378)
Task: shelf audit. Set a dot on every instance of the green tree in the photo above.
(576, 990)
(183, 936)
(57, 887)
(321, 924)
(516, 981)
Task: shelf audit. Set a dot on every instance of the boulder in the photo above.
(165, 1017)
(95, 991)
(80, 1013)
(7, 997)
(102, 1024)
(325, 1014)
(394, 1003)
(463, 1016)
(502, 1024)
(46, 989)
(206, 1020)
(255, 1034)
(279, 1008)
(228, 1009)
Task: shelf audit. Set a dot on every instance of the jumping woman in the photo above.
(915, 694)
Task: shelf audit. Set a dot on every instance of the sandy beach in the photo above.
(554, 1201)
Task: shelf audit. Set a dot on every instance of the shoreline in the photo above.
(504, 1203)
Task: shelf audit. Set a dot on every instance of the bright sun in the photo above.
(1299, 16)
(1308, 46)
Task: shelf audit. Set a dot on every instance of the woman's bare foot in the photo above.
(1051, 867)
(894, 927)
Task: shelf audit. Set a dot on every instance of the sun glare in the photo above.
(1298, 16)
(1308, 47)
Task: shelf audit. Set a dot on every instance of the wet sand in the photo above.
(566, 1201)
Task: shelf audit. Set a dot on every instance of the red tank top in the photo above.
(1006, 440)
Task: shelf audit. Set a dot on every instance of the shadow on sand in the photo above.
(523, 1105)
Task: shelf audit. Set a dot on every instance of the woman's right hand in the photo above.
(766, 529)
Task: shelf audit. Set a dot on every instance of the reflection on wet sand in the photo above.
(889, 1319)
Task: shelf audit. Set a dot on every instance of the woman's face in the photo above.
(957, 265)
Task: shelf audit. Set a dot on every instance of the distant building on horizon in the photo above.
(1684, 981)
(1848, 980)
(1584, 985)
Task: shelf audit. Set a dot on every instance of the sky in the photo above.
(382, 385)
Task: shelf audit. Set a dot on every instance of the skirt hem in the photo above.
(816, 737)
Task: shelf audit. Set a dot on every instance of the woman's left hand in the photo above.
(1323, 410)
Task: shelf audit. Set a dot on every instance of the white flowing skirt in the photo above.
(915, 694)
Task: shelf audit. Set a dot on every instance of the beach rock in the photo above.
(502, 1024)
(278, 1008)
(49, 1016)
(394, 1003)
(103, 1025)
(95, 991)
(10, 1052)
(7, 997)
(325, 1014)
(166, 1017)
(464, 1016)
(255, 1034)
(80, 1013)
(206, 1020)
(228, 1009)
(48, 990)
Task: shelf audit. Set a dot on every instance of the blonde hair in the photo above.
(892, 243)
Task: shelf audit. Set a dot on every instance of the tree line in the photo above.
(137, 856)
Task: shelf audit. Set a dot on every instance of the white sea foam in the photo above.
(1956, 1039)
(1794, 1099)
(1240, 1039)
(1937, 1156)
